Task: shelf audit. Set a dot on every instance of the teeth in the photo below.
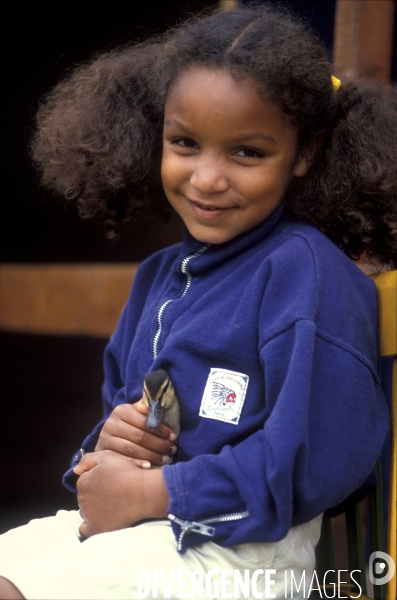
(207, 208)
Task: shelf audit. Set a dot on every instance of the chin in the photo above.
(210, 237)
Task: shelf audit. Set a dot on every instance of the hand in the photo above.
(125, 432)
(114, 493)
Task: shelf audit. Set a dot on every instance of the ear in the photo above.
(302, 165)
(306, 158)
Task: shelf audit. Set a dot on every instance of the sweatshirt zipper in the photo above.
(204, 527)
(162, 308)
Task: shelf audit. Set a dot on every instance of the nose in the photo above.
(209, 175)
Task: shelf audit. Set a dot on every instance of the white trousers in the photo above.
(46, 559)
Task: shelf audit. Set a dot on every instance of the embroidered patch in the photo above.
(224, 395)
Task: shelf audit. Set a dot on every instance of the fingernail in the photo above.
(165, 459)
(172, 437)
(146, 465)
(173, 450)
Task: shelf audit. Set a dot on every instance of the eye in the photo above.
(249, 153)
(184, 142)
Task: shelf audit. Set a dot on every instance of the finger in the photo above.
(138, 451)
(142, 464)
(85, 531)
(141, 407)
(122, 437)
(136, 416)
(146, 440)
(87, 462)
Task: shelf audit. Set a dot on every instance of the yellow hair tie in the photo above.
(336, 82)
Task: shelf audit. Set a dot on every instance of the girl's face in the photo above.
(228, 156)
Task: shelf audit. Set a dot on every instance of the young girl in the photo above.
(266, 328)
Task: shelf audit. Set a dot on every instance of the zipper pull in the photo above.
(78, 456)
(187, 259)
(193, 526)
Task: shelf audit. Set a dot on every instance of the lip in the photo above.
(208, 211)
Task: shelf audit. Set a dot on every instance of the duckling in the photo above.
(163, 403)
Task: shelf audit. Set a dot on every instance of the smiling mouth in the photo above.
(205, 208)
(208, 208)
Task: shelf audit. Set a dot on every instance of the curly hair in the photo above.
(98, 136)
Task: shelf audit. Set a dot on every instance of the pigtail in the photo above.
(97, 135)
(353, 180)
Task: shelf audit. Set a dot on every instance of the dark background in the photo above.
(43, 43)
(50, 386)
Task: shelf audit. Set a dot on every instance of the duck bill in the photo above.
(155, 414)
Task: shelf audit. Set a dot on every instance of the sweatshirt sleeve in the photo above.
(117, 351)
(113, 393)
(324, 402)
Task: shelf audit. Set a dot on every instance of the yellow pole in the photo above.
(392, 541)
(386, 285)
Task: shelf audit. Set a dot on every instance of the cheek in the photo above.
(165, 169)
(255, 187)
(173, 171)
(275, 178)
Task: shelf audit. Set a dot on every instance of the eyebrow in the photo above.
(174, 122)
(258, 136)
(243, 138)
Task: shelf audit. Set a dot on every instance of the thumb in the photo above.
(84, 530)
(141, 407)
(88, 462)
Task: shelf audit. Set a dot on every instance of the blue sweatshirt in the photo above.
(270, 340)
